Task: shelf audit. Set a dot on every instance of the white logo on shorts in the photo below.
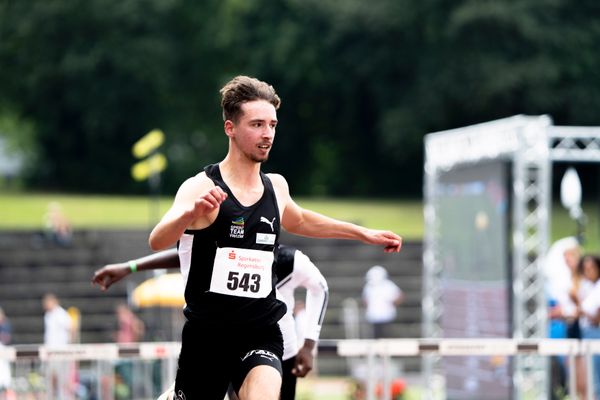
(180, 395)
(263, 353)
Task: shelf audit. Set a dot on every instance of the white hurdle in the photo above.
(370, 349)
(102, 357)
(387, 348)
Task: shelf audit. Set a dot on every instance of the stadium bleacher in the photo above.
(31, 266)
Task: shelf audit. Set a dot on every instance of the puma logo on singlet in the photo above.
(266, 221)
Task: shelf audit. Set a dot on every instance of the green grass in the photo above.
(26, 211)
(404, 217)
(563, 226)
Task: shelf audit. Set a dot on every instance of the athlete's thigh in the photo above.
(205, 366)
(262, 383)
(261, 347)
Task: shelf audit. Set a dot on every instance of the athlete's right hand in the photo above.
(109, 274)
(304, 359)
(206, 203)
(196, 203)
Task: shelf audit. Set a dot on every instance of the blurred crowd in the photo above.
(62, 327)
(573, 293)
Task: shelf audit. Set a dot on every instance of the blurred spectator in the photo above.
(58, 227)
(5, 377)
(586, 276)
(589, 312)
(75, 316)
(381, 296)
(58, 331)
(5, 332)
(562, 285)
(130, 327)
(5, 329)
(58, 327)
(562, 280)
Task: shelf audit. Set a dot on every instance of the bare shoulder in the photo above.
(282, 191)
(200, 180)
(278, 181)
(201, 177)
(195, 185)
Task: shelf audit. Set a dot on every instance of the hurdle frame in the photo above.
(371, 349)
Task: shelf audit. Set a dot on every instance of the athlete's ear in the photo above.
(229, 128)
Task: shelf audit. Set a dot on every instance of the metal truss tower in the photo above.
(531, 144)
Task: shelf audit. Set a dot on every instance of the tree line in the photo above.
(361, 82)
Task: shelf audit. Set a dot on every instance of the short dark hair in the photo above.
(242, 89)
(594, 258)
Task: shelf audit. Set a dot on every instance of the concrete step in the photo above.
(355, 284)
(397, 330)
(31, 267)
(411, 297)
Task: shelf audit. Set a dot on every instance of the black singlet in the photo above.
(236, 226)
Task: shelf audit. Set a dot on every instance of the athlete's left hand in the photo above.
(304, 359)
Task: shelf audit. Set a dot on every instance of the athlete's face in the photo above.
(254, 132)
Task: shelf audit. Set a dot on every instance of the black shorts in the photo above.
(212, 358)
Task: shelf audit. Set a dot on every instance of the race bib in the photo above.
(242, 272)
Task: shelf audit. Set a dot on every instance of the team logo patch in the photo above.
(236, 230)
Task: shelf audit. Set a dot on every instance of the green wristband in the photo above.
(132, 266)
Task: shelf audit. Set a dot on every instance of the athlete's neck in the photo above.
(241, 172)
(243, 178)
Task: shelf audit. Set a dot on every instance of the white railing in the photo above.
(388, 348)
(97, 363)
(90, 371)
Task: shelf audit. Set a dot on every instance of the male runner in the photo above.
(227, 221)
(293, 270)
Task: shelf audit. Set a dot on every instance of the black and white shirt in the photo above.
(295, 269)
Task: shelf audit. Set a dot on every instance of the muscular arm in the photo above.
(196, 205)
(300, 221)
(106, 276)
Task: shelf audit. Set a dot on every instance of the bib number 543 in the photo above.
(243, 281)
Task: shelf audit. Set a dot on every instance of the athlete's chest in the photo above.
(247, 197)
(258, 224)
